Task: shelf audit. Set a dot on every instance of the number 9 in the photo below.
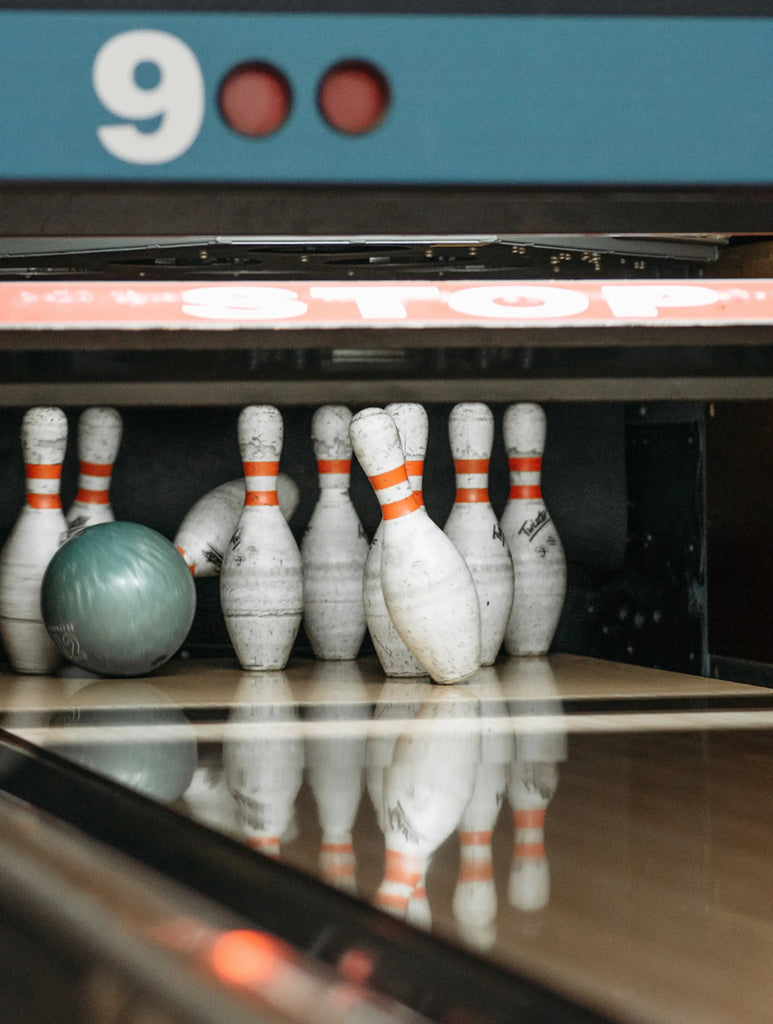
(178, 98)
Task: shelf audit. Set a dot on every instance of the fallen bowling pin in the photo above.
(429, 592)
(395, 658)
(261, 582)
(99, 438)
(334, 546)
(473, 526)
(538, 556)
(209, 524)
(37, 535)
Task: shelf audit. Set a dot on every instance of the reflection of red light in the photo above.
(353, 97)
(356, 965)
(245, 957)
(254, 99)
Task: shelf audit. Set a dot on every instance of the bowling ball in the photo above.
(118, 599)
(153, 749)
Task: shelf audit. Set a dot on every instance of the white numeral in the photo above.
(178, 98)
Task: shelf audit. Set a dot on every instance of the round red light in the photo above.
(353, 97)
(254, 99)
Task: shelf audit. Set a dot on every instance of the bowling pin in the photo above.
(473, 526)
(37, 534)
(99, 437)
(538, 555)
(209, 523)
(334, 546)
(261, 582)
(396, 660)
(335, 763)
(425, 793)
(263, 758)
(429, 592)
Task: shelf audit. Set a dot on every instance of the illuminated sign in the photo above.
(340, 304)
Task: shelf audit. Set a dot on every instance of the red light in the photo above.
(353, 97)
(245, 957)
(254, 99)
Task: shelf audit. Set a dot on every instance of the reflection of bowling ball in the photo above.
(153, 749)
(118, 599)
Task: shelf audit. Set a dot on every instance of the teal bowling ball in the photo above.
(118, 599)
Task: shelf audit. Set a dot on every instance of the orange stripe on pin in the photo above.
(92, 497)
(42, 471)
(261, 498)
(389, 478)
(471, 494)
(529, 850)
(261, 468)
(44, 501)
(96, 468)
(471, 465)
(403, 507)
(525, 463)
(414, 467)
(529, 818)
(474, 838)
(334, 465)
(520, 491)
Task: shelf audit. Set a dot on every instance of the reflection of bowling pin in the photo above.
(530, 787)
(210, 522)
(99, 437)
(261, 583)
(263, 760)
(533, 776)
(398, 701)
(335, 764)
(412, 424)
(34, 539)
(209, 800)
(425, 793)
(474, 528)
(334, 546)
(475, 896)
(538, 555)
(429, 592)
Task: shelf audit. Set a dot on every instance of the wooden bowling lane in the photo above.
(212, 682)
(628, 863)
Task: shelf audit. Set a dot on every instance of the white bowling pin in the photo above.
(335, 762)
(475, 896)
(334, 546)
(261, 582)
(538, 554)
(425, 793)
(473, 526)
(99, 438)
(209, 523)
(36, 536)
(396, 660)
(429, 592)
(263, 758)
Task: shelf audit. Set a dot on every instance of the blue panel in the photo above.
(475, 99)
